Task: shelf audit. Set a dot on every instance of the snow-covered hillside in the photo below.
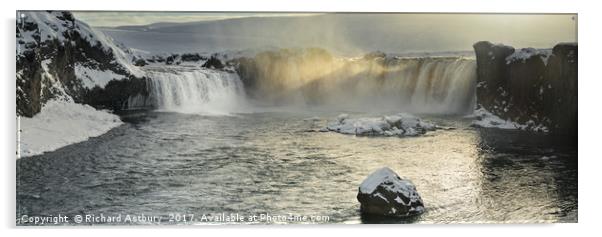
(63, 64)
(59, 56)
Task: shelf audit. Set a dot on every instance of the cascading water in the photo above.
(445, 85)
(196, 90)
(418, 85)
(439, 85)
(436, 85)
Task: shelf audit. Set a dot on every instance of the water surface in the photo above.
(276, 163)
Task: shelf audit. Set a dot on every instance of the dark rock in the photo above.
(561, 96)
(189, 57)
(533, 87)
(117, 93)
(140, 62)
(491, 63)
(213, 63)
(384, 193)
(171, 59)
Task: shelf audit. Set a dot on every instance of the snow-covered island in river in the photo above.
(350, 118)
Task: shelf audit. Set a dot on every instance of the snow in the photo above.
(401, 124)
(93, 77)
(61, 123)
(50, 27)
(385, 184)
(108, 44)
(398, 200)
(56, 87)
(567, 44)
(393, 184)
(486, 119)
(376, 178)
(526, 53)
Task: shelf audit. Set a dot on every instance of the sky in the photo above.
(352, 33)
(113, 19)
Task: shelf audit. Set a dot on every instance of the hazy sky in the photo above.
(348, 32)
(112, 19)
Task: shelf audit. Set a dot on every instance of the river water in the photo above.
(275, 163)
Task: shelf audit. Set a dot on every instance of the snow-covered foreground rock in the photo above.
(61, 123)
(486, 119)
(384, 193)
(394, 125)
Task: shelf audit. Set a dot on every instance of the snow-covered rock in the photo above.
(61, 123)
(60, 57)
(525, 53)
(486, 119)
(384, 193)
(401, 124)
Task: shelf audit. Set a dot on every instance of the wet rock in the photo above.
(384, 193)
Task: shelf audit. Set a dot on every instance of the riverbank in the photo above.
(61, 123)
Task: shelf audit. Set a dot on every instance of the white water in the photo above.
(196, 90)
(415, 85)
(435, 86)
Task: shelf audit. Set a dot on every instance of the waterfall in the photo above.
(434, 85)
(444, 85)
(197, 90)
(437, 85)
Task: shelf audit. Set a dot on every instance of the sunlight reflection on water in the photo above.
(269, 163)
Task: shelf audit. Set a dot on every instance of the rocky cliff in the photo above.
(534, 87)
(59, 57)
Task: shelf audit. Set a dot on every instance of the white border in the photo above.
(590, 87)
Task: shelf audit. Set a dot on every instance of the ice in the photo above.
(61, 123)
(401, 124)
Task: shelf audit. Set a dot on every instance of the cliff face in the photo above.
(59, 57)
(533, 87)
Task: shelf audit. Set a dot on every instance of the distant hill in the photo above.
(349, 33)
